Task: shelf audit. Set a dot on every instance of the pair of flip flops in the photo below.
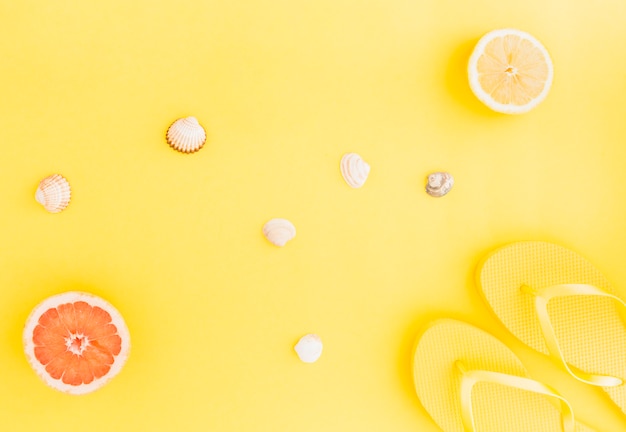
(554, 301)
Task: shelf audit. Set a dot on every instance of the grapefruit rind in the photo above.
(73, 297)
(485, 97)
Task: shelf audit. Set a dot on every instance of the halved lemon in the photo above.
(510, 71)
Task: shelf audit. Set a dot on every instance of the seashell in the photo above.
(279, 231)
(186, 135)
(53, 193)
(354, 170)
(439, 184)
(309, 348)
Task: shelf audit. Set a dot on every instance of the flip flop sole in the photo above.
(589, 329)
(496, 408)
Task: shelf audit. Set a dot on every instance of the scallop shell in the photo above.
(309, 348)
(439, 184)
(279, 231)
(186, 135)
(354, 170)
(53, 193)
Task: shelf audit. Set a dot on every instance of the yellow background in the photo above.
(285, 88)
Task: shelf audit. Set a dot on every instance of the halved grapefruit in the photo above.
(76, 342)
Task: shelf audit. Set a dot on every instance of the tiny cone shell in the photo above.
(439, 184)
(354, 170)
(53, 193)
(279, 231)
(186, 135)
(309, 348)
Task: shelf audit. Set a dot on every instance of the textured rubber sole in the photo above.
(590, 330)
(496, 408)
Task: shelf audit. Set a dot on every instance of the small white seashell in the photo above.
(279, 231)
(354, 170)
(309, 348)
(53, 193)
(439, 184)
(186, 135)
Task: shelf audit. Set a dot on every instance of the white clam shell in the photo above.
(439, 184)
(354, 170)
(53, 193)
(309, 348)
(279, 231)
(186, 135)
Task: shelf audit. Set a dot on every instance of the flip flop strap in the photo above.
(472, 377)
(542, 297)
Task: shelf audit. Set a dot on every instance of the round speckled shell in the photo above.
(354, 170)
(439, 184)
(279, 231)
(186, 135)
(53, 193)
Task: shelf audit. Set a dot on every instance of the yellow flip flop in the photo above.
(469, 381)
(558, 303)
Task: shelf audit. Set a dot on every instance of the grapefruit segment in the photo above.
(50, 318)
(66, 314)
(56, 367)
(76, 342)
(112, 343)
(83, 313)
(70, 374)
(84, 371)
(98, 318)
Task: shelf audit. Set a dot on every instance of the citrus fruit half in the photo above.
(76, 342)
(510, 71)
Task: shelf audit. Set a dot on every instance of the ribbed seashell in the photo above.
(53, 193)
(354, 170)
(279, 231)
(309, 348)
(186, 135)
(439, 184)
